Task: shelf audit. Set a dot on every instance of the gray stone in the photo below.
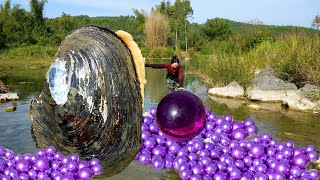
(304, 99)
(267, 87)
(9, 97)
(3, 97)
(12, 96)
(233, 90)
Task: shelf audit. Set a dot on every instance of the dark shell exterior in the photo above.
(91, 102)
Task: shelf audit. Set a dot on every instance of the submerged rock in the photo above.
(11, 109)
(91, 101)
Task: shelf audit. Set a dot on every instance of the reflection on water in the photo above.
(284, 125)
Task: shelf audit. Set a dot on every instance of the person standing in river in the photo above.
(174, 75)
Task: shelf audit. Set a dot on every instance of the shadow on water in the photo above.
(302, 128)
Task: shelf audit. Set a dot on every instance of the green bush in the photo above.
(161, 52)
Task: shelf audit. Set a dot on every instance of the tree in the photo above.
(216, 28)
(141, 18)
(156, 30)
(179, 13)
(37, 11)
(164, 8)
(6, 9)
(316, 22)
(18, 27)
(255, 22)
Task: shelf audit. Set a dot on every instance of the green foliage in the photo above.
(221, 49)
(18, 27)
(217, 29)
(161, 52)
(37, 11)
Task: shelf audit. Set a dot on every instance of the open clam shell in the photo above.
(91, 102)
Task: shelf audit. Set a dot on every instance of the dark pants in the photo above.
(172, 85)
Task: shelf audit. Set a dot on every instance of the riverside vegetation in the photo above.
(220, 50)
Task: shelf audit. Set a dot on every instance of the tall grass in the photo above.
(295, 56)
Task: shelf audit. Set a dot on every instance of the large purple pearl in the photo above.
(180, 115)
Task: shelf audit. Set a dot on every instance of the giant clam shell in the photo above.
(91, 102)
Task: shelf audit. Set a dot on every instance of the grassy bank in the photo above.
(296, 58)
(26, 59)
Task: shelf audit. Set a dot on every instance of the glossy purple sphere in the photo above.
(180, 115)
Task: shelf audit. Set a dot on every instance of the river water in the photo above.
(283, 125)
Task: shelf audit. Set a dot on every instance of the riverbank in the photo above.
(295, 57)
(28, 58)
(266, 87)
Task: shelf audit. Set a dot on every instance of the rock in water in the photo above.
(91, 102)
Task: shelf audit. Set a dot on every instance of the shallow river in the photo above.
(283, 125)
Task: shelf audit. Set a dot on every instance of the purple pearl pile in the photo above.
(222, 151)
(46, 164)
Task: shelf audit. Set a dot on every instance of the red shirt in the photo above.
(174, 74)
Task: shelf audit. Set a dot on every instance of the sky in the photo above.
(270, 12)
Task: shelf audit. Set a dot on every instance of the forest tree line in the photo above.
(170, 22)
(224, 50)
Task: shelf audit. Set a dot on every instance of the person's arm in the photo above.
(157, 66)
(180, 77)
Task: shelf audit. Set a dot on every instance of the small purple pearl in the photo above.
(9, 154)
(2, 151)
(96, 169)
(84, 173)
(251, 129)
(220, 175)
(185, 174)
(208, 146)
(219, 120)
(211, 117)
(145, 159)
(228, 118)
(298, 150)
(204, 153)
(192, 156)
(153, 111)
(94, 161)
(309, 148)
(184, 166)
(214, 153)
(153, 128)
(312, 155)
(248, 122)
(198, 145)
(210, 169)
(210, 126)
(182, 152)
(147, 119)
(174, 148)
(197, 169)
(236, 125)
(50, 150)
(144, 127)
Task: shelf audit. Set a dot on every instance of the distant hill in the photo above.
(247, 29)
